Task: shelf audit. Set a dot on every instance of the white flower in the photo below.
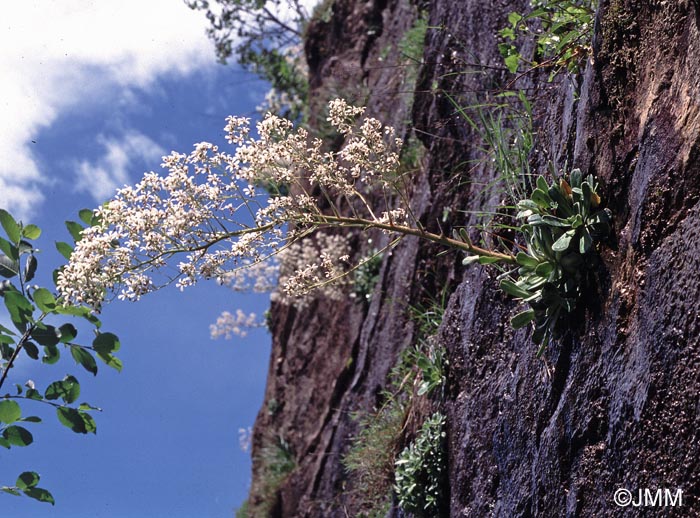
(208, 208)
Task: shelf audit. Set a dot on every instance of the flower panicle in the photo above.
(222, 212)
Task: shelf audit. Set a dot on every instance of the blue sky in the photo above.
(93, 94)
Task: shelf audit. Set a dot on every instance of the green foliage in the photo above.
(323, 11)
(421, 470)
(562, 30)
(30, 309)
(262, 41)
(430, 360)
(370, 458)
(412, 43)
(426, 358)
(428, 314)
(276, 462)
(250, 27)
(244, 510)
(563, 224)
(507, 136)
(27, 484)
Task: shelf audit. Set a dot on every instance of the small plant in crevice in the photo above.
(427, 356)
(421, 470)
(427, 315)
(276, 461)
(370, 459)
(563, 225)
(430, 359)
(505, 127)
(412, 42)
(562, 30)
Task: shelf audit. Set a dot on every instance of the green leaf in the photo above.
(562, 244)
(9, 490)
(64, 249)
(8, 249)
(575, 177)
(5, 330)
(79, 422)
(563, 204)
(79, 311)
(524, 259)
(84, 358)
(18, 436)
(106, 343)
(586, 241)
(67, 333)
(522, 319)
(20, 309)
(553, 221)
(470, 259)
(45, 300)
(513, 289)
(488, 260)
(512, 62)
(30, 268)
(111, 361)
(27, 480)
(544, 269)
(45, 335)
(542, 184)
(32, 350)
(541, 198)
(51, 354)
(464, 236)
(8, 267)
(34, 394)
(42, 495)
(25, 247)
(73, 311)
(67, 389)
(10, 225)
(10, 411)
(86, 216)
(31, 232)
(75, 230)
(526, 204)
(31, 419)
(514, 18)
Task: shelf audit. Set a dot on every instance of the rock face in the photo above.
(615, 403)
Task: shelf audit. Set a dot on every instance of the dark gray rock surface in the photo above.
(616, 403)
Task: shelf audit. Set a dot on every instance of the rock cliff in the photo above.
(614, 403)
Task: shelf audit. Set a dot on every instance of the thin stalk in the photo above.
(428, 236)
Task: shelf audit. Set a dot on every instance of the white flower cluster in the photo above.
(211, 209)
(245, 438)
(229, 325)
(314, 264)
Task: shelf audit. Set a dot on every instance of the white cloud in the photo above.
(111, 171)
(58, 55)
